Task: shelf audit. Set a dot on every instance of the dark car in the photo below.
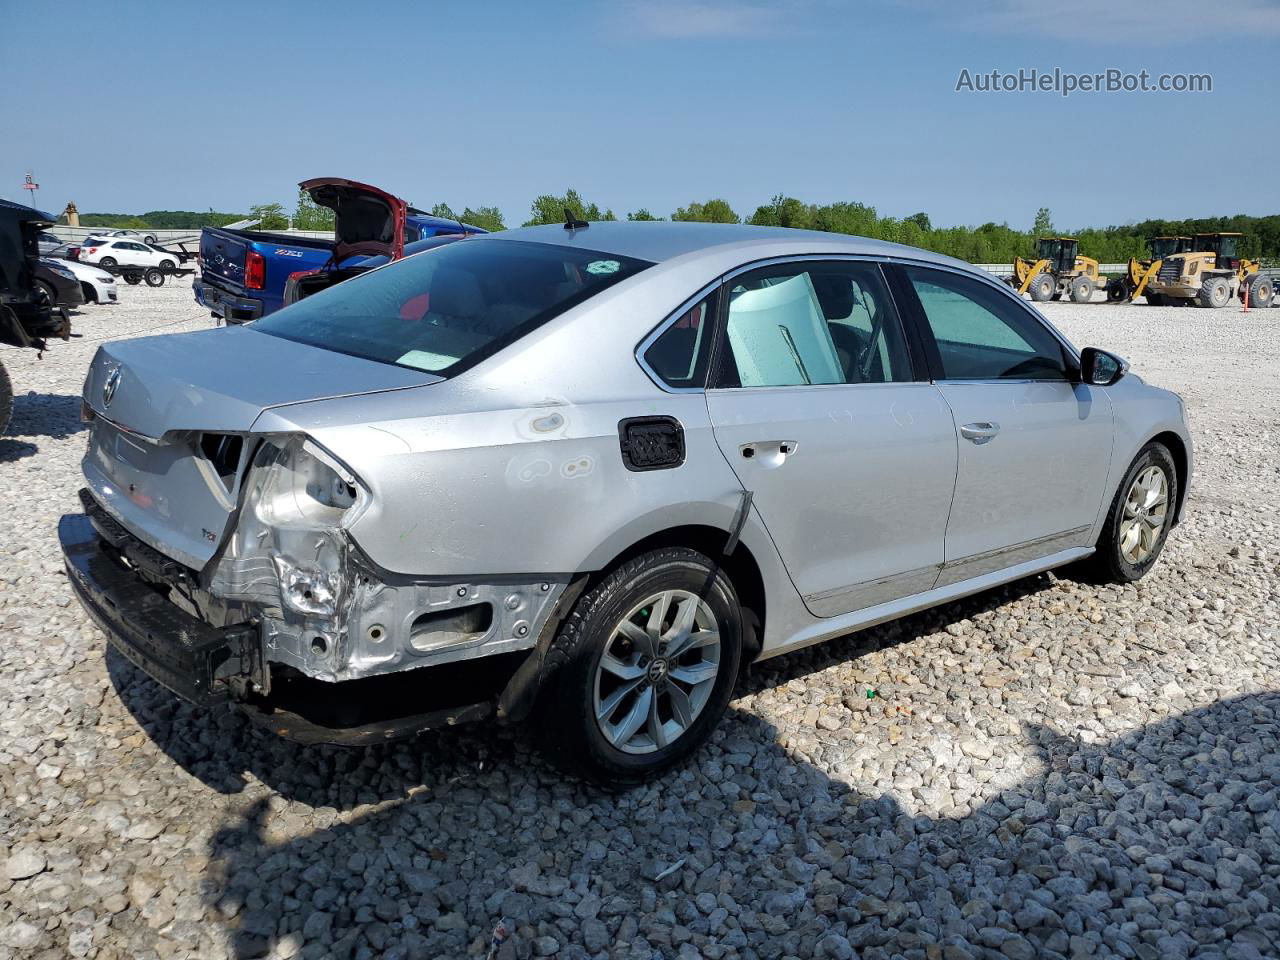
(56, 284)
(27, 319)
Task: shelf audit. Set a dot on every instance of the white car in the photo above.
(113, 252)
(144, 237)
(98, 285)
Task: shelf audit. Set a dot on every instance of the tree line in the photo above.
(988, 243)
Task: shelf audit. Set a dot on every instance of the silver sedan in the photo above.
(580, 476)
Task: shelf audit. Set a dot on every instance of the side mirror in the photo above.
(1098, 368)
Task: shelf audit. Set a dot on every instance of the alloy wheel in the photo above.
(1146, 507)
(657, 672)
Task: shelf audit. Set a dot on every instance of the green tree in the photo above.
(713, 211)
(783, 212)
(487, 218)
(643, 214)
(1043, 227)
(443, 210)
(550, 208)
(921, 220)
(309, 215)
(270, 216)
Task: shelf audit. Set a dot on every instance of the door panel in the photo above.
(1034, 446)
(1035, 485)
(857, 504)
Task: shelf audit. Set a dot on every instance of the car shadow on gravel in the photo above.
(239, 751)
(53, 415)
(1162, 843)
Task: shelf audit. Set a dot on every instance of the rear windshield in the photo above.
(444, 312)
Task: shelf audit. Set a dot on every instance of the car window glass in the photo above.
(982, 334)
(813, 323)
(453, 307)
(680, 355)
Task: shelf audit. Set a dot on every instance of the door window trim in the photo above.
(916, 318)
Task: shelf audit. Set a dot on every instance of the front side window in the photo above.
(681, 353)
(444, 312)
(812, 323)
(982, 334)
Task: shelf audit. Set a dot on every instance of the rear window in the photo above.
(445, 312)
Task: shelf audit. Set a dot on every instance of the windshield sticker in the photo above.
(603, 266)
(426, 360)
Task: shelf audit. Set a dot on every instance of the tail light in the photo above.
(255, 271)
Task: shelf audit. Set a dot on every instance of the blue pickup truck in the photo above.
(244, 273)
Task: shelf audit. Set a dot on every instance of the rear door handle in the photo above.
(770, 452)
(980, 432)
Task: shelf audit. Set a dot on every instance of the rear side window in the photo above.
(982, 334)
(803, 324)
(681, 353)
(446, 311)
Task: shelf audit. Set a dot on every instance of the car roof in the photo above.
(659, 240)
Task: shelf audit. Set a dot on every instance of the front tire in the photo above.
(644, 668)
(1043, 287)
(1214, 292)
(168, 266)
(1139, 518)
(90, 295)
(45, 294)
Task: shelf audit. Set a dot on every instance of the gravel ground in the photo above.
(1047, 770)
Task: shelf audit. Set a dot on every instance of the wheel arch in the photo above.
(742, 567)
(1181, 463)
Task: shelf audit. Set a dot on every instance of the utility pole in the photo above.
(29, 183)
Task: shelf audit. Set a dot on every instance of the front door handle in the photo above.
(983, 431)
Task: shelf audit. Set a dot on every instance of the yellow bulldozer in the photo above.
(1058, 269)
(1140, 272)
(1210, 275)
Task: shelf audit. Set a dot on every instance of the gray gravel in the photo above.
(1048, 770)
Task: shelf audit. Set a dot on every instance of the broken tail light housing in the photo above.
(255, 270)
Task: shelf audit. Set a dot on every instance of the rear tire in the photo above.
(1081, 290)
(1043, 287)
(1130, 543)
(1261, 291)
(149, 238)
(616, 710)
(1214, 292)
(1117, 291)
(108, 263)
(6, 399)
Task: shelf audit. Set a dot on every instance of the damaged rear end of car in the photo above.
(217, 556)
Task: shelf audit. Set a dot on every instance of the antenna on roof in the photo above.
(572, 223)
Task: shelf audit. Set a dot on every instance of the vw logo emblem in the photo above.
(109, 388)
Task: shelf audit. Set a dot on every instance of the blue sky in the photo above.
(134, 106)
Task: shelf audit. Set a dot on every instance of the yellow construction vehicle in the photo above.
(1210, 274)
(1134, 283)
(1057, 269)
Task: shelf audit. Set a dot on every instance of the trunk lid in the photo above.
(168, 446)
(368, 221)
